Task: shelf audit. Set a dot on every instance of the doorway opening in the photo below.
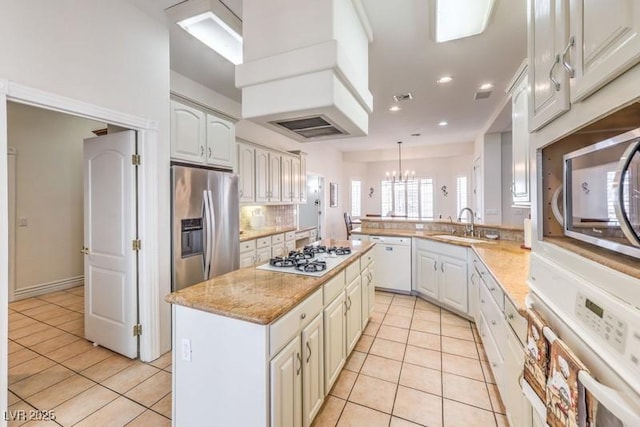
(311, 214)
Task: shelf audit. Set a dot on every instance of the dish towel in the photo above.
(568, 403)
(536, 362)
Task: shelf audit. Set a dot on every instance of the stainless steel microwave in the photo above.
(602, 193)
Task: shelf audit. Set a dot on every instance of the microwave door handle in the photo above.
(623, 220)
(207, 234)
(212, 233)
(611, 399)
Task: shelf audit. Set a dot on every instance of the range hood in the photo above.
(305, 71)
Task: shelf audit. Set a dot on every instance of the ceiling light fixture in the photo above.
(443, 123)
(216, 34)
(400, 177)
(486, 86)
(456, 19)
(394, 108)
(444, 79)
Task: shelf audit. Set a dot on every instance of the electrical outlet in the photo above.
(419, 226)
(23, 222)
(186, 349)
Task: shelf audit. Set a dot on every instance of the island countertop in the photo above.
(260, 296)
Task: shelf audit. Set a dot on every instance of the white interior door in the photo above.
(109, 228)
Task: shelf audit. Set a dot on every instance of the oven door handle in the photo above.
(611, 399)
(623, 165)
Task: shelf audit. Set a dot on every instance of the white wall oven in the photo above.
(602, 193)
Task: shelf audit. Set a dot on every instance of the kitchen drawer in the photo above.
(515, 320)
(494, 318)
(249, 245)
(277, 250)
(277, 238)
(496, 360)
(491, 283)
(353, 271)
(366, 259)
(289, 246)
(263, 242)
(263, 255)
(333, 287)
(302, 235)
(285, 328)
(313, 234)
(289, 235)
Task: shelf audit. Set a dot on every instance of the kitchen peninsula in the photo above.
(263, 348)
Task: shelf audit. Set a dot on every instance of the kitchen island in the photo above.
(262, 348)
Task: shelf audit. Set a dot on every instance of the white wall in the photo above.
(511, 217)
(110, 54)
(49, 194)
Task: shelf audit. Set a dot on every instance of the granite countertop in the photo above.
(270, 231)
(259, 296)
(507, 262)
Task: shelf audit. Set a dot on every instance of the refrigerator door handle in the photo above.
(211, 234)
(207, 239)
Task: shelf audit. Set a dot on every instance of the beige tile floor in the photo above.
(415, 365)
(52, 367)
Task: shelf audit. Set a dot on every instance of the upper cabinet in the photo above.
(246, 172)
(201, 137)
(521, 195)
(548, 37)
(605, 42)
(575, 48)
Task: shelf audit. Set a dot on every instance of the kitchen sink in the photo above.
(460, 239)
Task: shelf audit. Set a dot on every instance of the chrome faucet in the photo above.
(453, 228)
(470, 228)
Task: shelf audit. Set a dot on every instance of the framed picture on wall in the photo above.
(333, 195)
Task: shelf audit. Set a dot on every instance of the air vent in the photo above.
(482, 95)
(403, 97)
(311, 127)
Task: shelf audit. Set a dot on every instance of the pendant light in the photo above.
(400, 177)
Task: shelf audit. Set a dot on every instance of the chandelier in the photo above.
(400, 177)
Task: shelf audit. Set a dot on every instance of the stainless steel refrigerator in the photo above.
(205, 216)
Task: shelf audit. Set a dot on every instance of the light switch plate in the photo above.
(186, 349)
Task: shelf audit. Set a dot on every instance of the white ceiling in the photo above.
(402, 58)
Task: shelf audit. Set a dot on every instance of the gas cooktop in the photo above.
(312, 260)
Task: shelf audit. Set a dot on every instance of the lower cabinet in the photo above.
(368, 293)
(354, 313)
(440, 273)
(286, 386)
(312, 370)
(519, 412)
(334, 340)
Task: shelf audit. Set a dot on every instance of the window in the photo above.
(356, 199)
(462, 194)
(413, 198)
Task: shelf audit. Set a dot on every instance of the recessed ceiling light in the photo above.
(444, 79)
(486, 86)
(394, 108)
(443, 123)
(216, 34)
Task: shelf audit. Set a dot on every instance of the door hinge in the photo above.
(135, 159)
(136, 244)
(137, 330)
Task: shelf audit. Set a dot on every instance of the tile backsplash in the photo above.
(274, 216)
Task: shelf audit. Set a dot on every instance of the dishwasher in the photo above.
(393, 262)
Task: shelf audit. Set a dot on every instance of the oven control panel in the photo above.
(602, 321)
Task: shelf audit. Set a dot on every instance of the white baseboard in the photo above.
(45, 288)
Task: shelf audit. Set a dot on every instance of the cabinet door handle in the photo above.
(482, 301)
(299, 363)
(209, 152)
(510, 316)
(493, 288)
(303, 315)
(349, 306)
(345, 308)
(565, 63)
(435, 265)
(442, 267)
(241, 192)
(556, 83)
(493, 322)
(309, 355)
(201, 150)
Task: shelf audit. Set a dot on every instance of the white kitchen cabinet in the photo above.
(275, 177)
(289, 246)
(221, 137)
(247, 253)
(372, 288)
(354, 313)
(427, 273)
(606, 37)
(188, 133)
(440, 273)
(303, 178)
(335, 340)
(246, 172)
(201, 137)
(296, 179)
(517, 406)
(263, 255)
(262, 176)
(520, 188)
(286, 386)
(286, 178)
(548, 36)
(277, 250)
(312, 370)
